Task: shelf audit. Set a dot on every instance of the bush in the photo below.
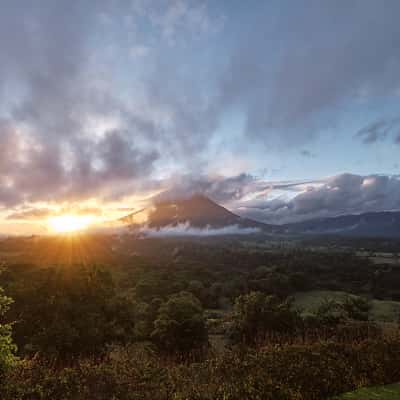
(130, 377)
(180, 326)
(257, 314)
(306, 372)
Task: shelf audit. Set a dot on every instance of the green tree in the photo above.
(70, 312)
(330, 313)
(333, 312)
(256, 314)
(180, 325)
(357, 308)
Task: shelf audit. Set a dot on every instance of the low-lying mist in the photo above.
(185, 229)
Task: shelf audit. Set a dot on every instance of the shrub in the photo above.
(180, 325)
(306, 372)
(257, 314)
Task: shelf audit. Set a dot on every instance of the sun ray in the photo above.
(69, 223)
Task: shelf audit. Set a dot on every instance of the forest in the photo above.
(219, 320)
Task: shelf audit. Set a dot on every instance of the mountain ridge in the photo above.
(200, 212)
(368, 224)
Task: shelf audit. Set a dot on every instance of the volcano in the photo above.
(198, 211)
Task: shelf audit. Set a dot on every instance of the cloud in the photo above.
(186, 230)
(284, 202)
(105, 99)
(380, 130)
(34, 171)
(299, 63)
(228, 190)
(34, 213)
(307, 153)
(139, 51)
(265, 201)
(39, 214)
(218, 188)
(176, 19)
(66, 132)
(341, 194)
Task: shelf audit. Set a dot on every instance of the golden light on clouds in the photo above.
(69, 223)
(44, 218)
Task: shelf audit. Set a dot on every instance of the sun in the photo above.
(69, 223)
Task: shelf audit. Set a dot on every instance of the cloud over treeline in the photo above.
(185, 229)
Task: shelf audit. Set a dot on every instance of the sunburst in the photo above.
(69, 223)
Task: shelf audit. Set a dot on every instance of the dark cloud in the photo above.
(52, 142)
(282, 202)
(75, 123)
(341, 194)
(380, 130)
(300, 61)
(307, 154)
(34, 171)
(219, 189)
(231, 191)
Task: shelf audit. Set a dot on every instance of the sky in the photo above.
(280, 110)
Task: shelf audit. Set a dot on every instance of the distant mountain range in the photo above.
(200, 212)
(384, 224)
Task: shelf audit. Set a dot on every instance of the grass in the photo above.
(310, 300)
(385, 310)
(382, 310)
(388, 392)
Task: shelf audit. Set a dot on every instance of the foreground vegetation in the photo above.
(208, 322)
(280, 373)
(388, 392)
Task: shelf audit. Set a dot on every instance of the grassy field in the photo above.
(382, 310)
(389, 392)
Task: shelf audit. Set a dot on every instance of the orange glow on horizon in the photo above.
(69, 223)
